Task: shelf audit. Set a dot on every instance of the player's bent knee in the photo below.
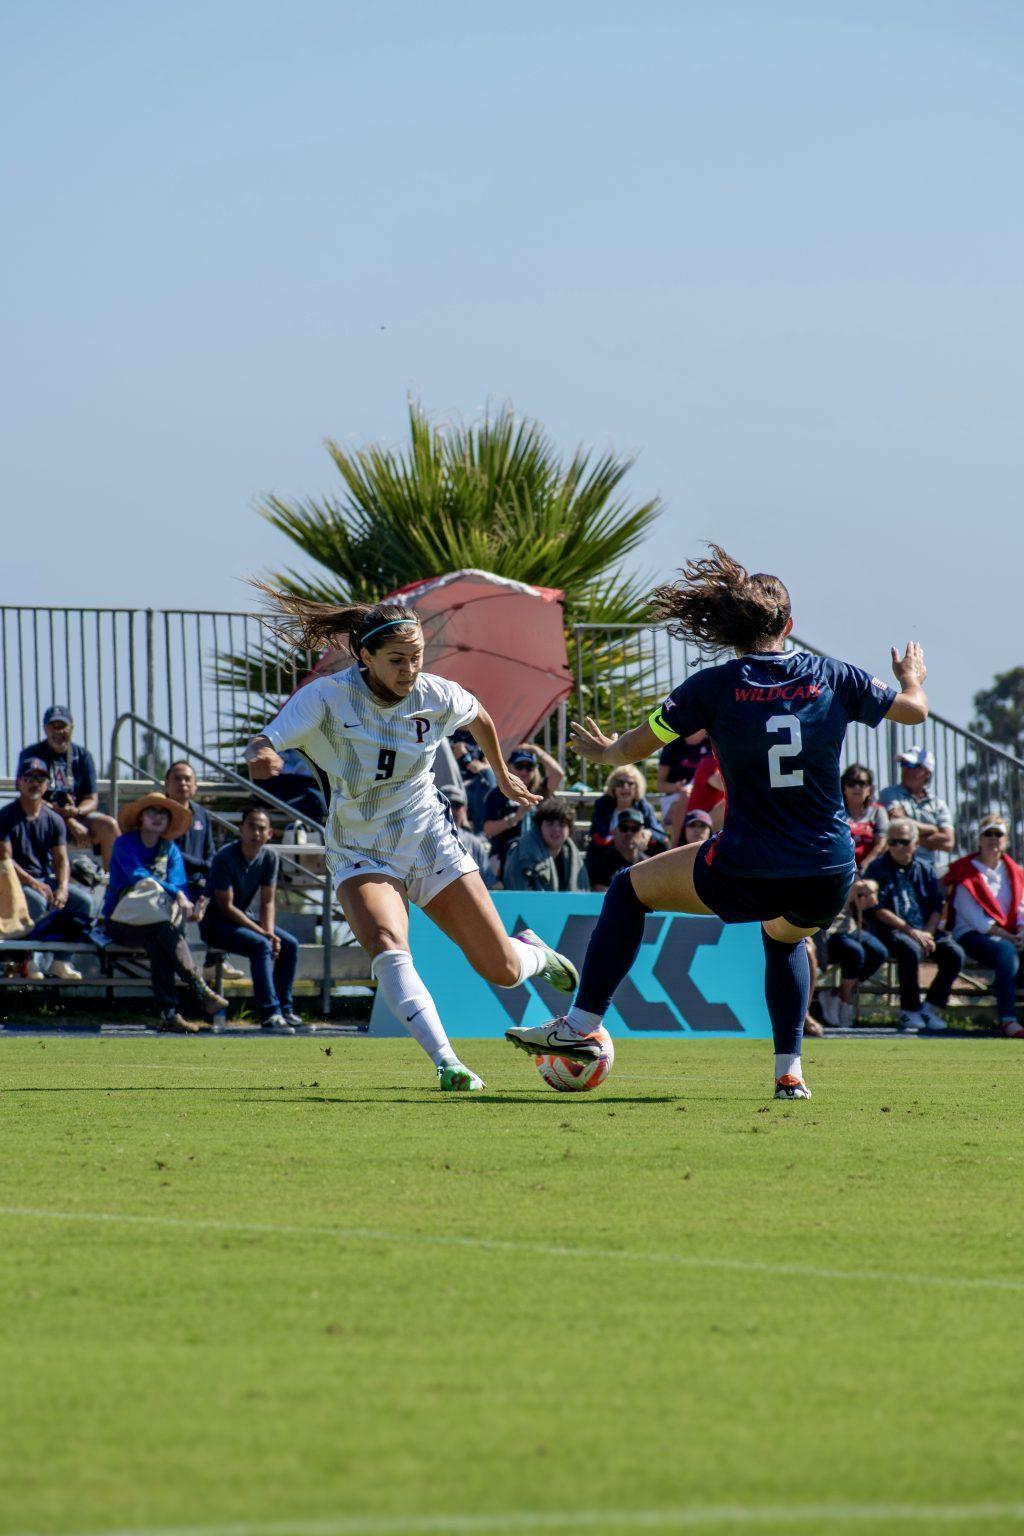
(784, 932)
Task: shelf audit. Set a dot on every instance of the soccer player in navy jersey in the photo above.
(784, 858)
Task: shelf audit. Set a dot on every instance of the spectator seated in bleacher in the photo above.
(294, 782)
(625, 789)
(867, 817)
(910, 903)
(630, 838)
(477, 778)
(478, 848)
(988, 916)
(72, 788)
(241, 919)
(196, 842)
(696, 826)
(147, 904)
(855, 950)
(707, 792)
(35, 837)
(677, 763)
(545, 858)
(505, 821)
(197, 850)
(912, 798)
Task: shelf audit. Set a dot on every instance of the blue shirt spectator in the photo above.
(912, 891)
(72, 786)
(132, 861)
(32, 838)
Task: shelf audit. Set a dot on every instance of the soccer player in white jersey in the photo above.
(374, 730)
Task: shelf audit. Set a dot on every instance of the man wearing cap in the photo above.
(72, 789)
(630, 837)
(35, 837)
(696, 826)
(477, 847)
(912, 798)
(505, 821)
(477, 778)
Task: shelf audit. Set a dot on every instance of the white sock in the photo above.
(531, 960)
(403, 991)
(582, 1022)
(788, 1065)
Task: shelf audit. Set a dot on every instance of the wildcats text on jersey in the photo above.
(769, 695)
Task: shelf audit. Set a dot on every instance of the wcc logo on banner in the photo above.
(693, 976)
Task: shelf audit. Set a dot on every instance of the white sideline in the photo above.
(507, 1245)
(593, 1520)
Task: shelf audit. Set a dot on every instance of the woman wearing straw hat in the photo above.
(146, 903)
(988, 915)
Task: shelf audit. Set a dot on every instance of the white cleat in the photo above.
(934, 1023)
(555, 1038)
(912, 1023)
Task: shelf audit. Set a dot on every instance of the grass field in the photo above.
(253, 1287)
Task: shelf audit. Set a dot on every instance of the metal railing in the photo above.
(212, 676)
(253, 790)
(206, 673)
(623, 672)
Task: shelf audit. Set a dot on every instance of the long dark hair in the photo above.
(719, 606)
(310, 626)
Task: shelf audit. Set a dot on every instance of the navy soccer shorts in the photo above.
(806, 901)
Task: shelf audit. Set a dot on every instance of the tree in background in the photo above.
(989, 782)
(496, 496)
(999, 712)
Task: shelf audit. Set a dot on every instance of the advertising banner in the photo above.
(694, 975)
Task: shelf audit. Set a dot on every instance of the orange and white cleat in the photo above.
(790, 1087)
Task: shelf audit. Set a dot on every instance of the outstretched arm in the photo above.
(910, 706)
(631, 747)
(486, 737)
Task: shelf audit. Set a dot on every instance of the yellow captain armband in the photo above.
(661, 728)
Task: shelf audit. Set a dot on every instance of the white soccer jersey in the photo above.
(378, 759)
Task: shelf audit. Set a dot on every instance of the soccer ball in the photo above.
(577, 1076)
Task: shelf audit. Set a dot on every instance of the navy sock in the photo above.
(613, 946)
(787, 989)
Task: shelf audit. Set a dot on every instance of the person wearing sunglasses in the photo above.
(910, 903)
(912, 797)
(988, 915)
(869, 821)
(625, 790)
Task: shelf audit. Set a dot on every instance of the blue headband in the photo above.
(388, 624)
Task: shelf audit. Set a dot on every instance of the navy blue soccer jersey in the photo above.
(777, 721)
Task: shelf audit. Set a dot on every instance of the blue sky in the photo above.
(774, 249)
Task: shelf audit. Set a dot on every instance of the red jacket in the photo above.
(966, 873)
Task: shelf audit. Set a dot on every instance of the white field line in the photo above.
(507, 1245)
(823, 1515)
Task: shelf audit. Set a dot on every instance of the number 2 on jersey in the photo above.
(784, 778)
(386, 763)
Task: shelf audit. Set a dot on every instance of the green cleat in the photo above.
(558, 971)
(453, 1077)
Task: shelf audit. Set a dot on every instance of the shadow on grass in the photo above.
(478, 1101)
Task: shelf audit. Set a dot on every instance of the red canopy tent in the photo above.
(501, 639)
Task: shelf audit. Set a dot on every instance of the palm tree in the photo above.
(495, 496)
